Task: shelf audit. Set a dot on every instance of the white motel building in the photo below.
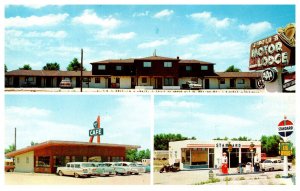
(192, 154)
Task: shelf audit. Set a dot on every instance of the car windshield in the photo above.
(87, 165)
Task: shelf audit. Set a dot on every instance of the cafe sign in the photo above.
(269, 52)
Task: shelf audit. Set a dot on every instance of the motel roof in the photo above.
(48, 73)
(67, 143)
(237, 75)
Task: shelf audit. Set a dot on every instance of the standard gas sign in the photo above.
(285, 128)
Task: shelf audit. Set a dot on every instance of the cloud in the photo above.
(119, 36)
(89, 17)
(188, 39)
(209, 20)
(47, 20)
(163, 14)
(179, 104)
(26, 112)
(256, 29)
(153, 44)
(141, 14)
(48, 34)
(35, 6)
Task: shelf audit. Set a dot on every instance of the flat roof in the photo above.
(66, 143)
(237, 75)
(53, 73)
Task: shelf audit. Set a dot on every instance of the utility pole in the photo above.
(81, 70)
(15, 138)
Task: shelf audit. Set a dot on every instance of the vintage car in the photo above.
(66, 83)
(119, 168)
(103, 169)
(134, 168)
(9, 165)
(77, 169)
(192, 85)
(147, 167)
(273, 164)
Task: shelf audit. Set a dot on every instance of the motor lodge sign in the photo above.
(270, 52)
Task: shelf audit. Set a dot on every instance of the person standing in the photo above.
(256, 163)
(224, 164)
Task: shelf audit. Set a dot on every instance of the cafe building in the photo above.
(195, 154)
(47, 156)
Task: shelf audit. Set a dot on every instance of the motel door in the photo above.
(16, 81)
(232, 83)
(48, 81)
(77, 81)
(38, 81)
(252, 83)
(206, 81)
(158, 83)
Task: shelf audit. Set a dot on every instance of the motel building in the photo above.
(195, 154)
(47, 156)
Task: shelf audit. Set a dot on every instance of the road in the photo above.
(14, 178)
(196, 177)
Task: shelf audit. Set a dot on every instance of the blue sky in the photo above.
(220, 34)
(208, 117)
(38, 118)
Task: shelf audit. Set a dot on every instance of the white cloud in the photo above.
(105, 34)
(255, 29)
(48, 34)
(47, 20)
(26, 111)
(35, 6)
(141, 14)
(209, 20)
(179, 104)
(153, 44)
(163, 14)
(89, 17)
(188, 39)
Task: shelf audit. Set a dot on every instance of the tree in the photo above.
(51, 66)
(74, 65)
(5, 68)
(161, 141)
(135, 155)
(232, 69)
(10, 148)
(33, 143)
(269, 144)
(26, 67)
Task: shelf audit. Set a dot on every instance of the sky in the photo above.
(220, 34)
(212, 116)
(39, 118)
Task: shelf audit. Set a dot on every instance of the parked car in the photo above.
(192, 85)
(263, 157)
(9, 165)
(147, 167)
(77, 169)
(136, 169)
(119, 168)
(273, 164)
(103, 169)
(66, 83)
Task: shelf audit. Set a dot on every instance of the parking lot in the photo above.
(197, 176)
(14, 178)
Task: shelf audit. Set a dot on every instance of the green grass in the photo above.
(227, 179)
(277, 176)
(214, 180)
(242, 178)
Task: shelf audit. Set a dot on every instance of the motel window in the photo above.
(44, 161)
(27, 160)
(241, 81)
(222, 81)
(144, 80)
(147, 64)
(118, 67)
(168, 81)
(101, 67)
(97, 80)
(86, 79)
(204, 67)
(188, 68)
(29, 79)
(167, 64)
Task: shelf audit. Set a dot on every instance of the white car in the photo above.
(119, 168)
(77, 169)
(193, 85)
(137, 168)
(273, 164)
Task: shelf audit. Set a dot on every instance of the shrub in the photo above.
(242, 178)
(214, 180)
(277, 176)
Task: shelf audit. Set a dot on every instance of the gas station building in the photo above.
(192, 154)
(47, 156)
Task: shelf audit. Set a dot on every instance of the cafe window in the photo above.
(43, 161)
(116, 159)
(97, 80)
(147, 64)
(167, 64)
(241, 81)
(118, 67)
(222, 81)
(59, 161)
(101, 67)
(144, 80)
(168, 81)
(204, 67)
(188, 68)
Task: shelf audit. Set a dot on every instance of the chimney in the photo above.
(177, 57)
(154, 53)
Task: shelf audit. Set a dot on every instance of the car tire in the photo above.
(11, 170)
(76, 175)
(289, 168)
(60, 173)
